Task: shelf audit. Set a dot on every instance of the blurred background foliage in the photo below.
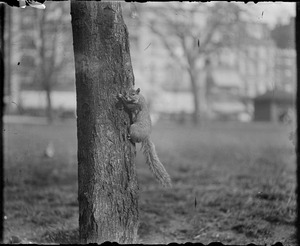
(192, 60)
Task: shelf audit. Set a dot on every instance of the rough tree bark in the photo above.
(297, 32)
(107, 188)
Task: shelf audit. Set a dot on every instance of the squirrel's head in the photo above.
(133, 96)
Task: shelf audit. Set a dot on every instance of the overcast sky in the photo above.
(270, 12)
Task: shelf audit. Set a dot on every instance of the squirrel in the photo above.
(140, 130)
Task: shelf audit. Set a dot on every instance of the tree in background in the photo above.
(48, 61)
(39, 50)
(192, 32)
(284, 35)
(107, 182)
(13, 42)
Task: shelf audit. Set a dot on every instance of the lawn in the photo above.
(233, 183)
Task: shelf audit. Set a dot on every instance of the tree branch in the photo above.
(168, 47)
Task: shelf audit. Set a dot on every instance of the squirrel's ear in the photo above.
(138, 90)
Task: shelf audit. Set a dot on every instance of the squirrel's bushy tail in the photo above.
(154, 163)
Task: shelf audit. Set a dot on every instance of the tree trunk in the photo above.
(43, 73)
(8, 52)
(209, 85)
(195, 92)
(15, 78)
(107, 181)
(49, 111)
(297, 32)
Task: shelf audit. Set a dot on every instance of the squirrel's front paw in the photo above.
(130, 139)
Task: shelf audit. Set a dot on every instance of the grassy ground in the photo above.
(233, 183)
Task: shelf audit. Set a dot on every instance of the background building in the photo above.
(253, 60)
(275, 106)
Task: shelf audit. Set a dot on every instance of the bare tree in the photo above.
(196, 30)
(12, 37)
(47, 60)
(107, 188)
